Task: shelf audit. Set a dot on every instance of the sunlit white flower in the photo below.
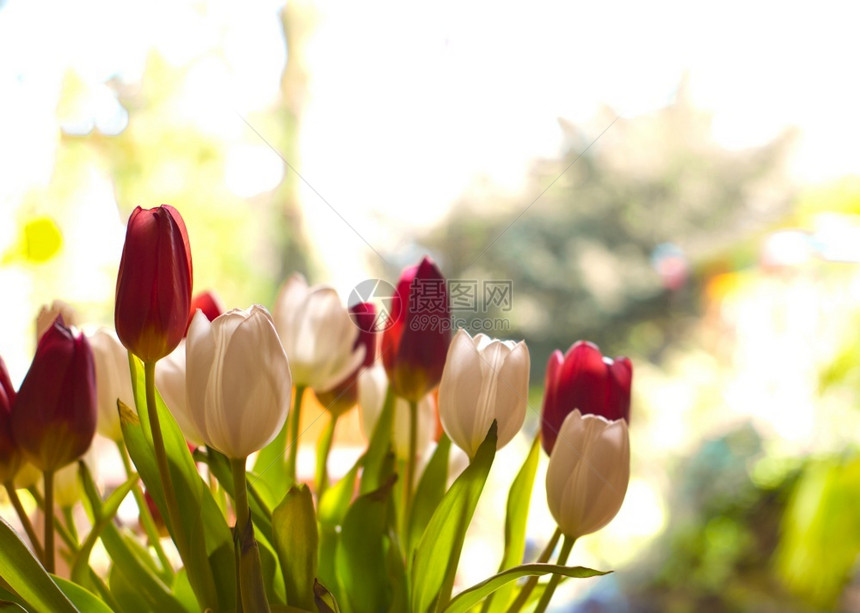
(113, 381)
(484, 380)
(238, 380)
(588, 473)
(317, 333)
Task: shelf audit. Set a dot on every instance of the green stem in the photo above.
(411, 461)
(295, 424)
(252, 593)
(25, 520)
(174, 519)
(323, 450)
(526, 590)
(58, 527)
(146, 521)
(69, 519)
(566, 546)
(49, 521)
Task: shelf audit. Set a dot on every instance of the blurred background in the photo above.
(674, 182)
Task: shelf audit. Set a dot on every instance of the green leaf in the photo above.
(468, 598)
(296, 541)
(435, 562)
(260, 512)
(136, 574)
(361, 552)
(516, 517)
(84, 600)
(26, 577)
(375, 459)
(104, 515)
(210, 561)
(430, 490)
(336, 499)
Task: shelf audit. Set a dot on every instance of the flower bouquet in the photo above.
(208, 422)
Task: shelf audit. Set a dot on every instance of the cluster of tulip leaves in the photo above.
(353, 553)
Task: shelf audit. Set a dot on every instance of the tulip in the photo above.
(10, 454)
(207, 302)
(372, 384)
(49, 313)
(113, 381)
(317, 333)
(153, 288)
(414, 346)
(170, 379)
(583, 379)
(588, 472)
(238, 380)
(54, 414)
(343, 396)
(484, 380)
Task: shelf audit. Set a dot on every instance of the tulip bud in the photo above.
(49, 313)
(113, 381)
(238, 380)
(10, 455)
(343, 396)
(372, 385)
(207, 302)
(583, 379)
(54, 415)
(484, 380)
(317, 334)
(153, 287)
(588, 472)
(415, 345)
(170, 379)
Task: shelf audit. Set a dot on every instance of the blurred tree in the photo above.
(604, 252)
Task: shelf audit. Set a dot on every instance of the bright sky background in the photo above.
(407, 105)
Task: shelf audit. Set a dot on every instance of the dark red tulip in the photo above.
(10, 454)
(583, 379)
(343, 396)
(55, 412)
(153, 288)
(415, 346)
(207, 302)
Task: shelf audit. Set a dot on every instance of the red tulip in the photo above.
(415, 346)
(207, 302)
(55, 412)
(343, 396)
(583, 379)
(153, 288)
(10, 455)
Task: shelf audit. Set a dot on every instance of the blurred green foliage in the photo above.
(580, 255)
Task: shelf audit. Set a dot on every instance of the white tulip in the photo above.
(484, 380)
(588, 473)
(48, 314)
(317, 333)
(372, 385)
(170, 381)
(113, 381)
(238, 380)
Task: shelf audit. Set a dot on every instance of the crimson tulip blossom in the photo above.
(55, 413)
(583, 379)
(207, 302)
(153, 288)
(10, 455)
(415, 346)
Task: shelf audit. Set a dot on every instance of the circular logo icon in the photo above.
(380, 294)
